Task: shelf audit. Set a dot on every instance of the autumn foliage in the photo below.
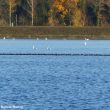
(75, 13)
(65, 12)
(12, 4)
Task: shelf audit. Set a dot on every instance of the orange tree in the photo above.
(65, 12)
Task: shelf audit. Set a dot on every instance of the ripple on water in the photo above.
(55, 82)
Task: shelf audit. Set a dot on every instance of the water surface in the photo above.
(55, 82)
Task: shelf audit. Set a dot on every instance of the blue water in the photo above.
(54, 46)
(55, 82)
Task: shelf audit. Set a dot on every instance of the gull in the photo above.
(37, 38)
(48, 48)
(46, 38)
(4, 38)
(85, 43)
(86, 39)
(33, 47)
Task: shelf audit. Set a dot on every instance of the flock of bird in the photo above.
(48, 48)
(35, 48)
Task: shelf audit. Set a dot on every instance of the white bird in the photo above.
(33, 47)
(48, 48)
(86, 39)
(85, 43)
(46, 38)
(4, 38)
(37, 38)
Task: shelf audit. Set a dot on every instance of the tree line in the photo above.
(77, 13)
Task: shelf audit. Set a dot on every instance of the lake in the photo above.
(50, 82)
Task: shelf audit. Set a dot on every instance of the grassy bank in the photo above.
(55, 32)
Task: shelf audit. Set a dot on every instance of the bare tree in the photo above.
(31, 5)
(12, 5)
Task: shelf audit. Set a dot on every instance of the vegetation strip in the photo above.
(58, 32)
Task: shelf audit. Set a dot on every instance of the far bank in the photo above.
(61, 32)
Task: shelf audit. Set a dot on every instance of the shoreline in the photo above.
(57, 32)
